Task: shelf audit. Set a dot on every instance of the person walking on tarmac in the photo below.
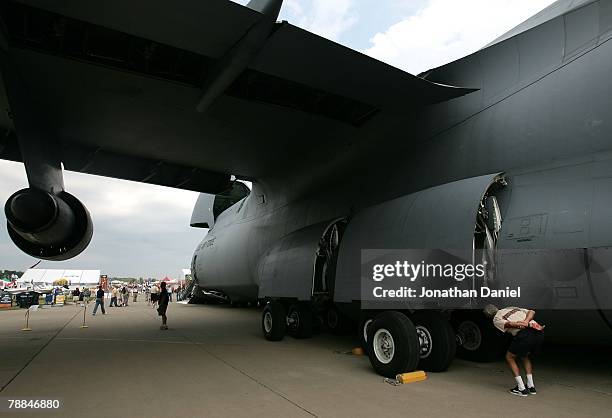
(527, 337)
(154, 294)
(76, 294)
(99, 301)
(114, 293)
(125, 296)
(86, 294)
(163, 305)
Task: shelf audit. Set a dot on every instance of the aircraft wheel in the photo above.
(366, 320)
(393, 346)
(274, 321)
(336, 322)
(300, 321)
(436, 340)
(478, 340)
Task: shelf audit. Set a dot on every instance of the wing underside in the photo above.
(119, 83)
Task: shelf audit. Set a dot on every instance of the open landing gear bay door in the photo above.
(448, 216)
(288, 268)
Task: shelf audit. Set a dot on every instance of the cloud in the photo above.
(445, 30)
(327, 18)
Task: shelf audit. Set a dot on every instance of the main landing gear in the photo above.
(393, 345)
(276, 320)
(396, 342)
(477, 339)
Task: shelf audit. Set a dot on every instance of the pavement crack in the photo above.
(247, 375)
(38, 352)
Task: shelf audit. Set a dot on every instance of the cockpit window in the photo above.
(230, 197)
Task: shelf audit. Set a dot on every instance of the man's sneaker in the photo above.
(532, 391)
(517, 392)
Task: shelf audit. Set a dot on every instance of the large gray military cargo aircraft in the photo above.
(344, 153)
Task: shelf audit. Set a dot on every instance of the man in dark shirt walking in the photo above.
(99, 301)
(163, 305)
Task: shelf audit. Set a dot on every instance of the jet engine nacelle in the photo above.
(49, 226)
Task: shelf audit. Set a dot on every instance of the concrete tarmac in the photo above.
(214, 362)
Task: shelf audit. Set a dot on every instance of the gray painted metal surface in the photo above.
(200, 26)
(287, 269)
(237, 58)
(541, 113)
(375, 83)
(559, 208)
(554, 10)
(422, 220)
(202, 216)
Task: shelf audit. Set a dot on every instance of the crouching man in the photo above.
(527, 337)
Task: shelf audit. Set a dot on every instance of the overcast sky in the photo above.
(143, 230)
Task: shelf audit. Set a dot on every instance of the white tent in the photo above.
(45, 277)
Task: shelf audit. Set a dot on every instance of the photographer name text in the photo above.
(406, 292)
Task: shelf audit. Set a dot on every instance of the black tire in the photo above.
(404, 356)
(274, 321)
(436, 341)
(366, 319)
(337, 323)
(300, 321)
(478, 340)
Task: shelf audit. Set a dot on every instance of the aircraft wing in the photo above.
(118, 83)
(295, 54)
